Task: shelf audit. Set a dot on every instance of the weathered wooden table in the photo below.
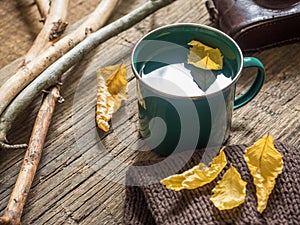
(80, 179)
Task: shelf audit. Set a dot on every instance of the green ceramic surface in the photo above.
(171, 123)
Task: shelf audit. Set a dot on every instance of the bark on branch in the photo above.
(13, 211)
(52, 74)
(33, 68)
(58, 12)
(43, 7)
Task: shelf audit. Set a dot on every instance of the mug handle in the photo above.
(255, 86)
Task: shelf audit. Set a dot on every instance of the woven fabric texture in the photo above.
(154, 204)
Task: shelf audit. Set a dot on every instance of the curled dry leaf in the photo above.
(197, 176)
(205, 57)
(104, 105)
(230, 191)
(111, 91)
(265, 164)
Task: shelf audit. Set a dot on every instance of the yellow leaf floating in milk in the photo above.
(205, 57)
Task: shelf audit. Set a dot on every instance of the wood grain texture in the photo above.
(80, 179)
(13, 212)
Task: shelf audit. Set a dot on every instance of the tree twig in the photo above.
(43, 7)
(5, 145)
(57, 14)
(51, 75)
(14, 209)
(33, 68)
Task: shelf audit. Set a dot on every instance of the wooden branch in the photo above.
(4, 145)
(33, 68)
(52, 74)
(10, 69)
(96, 19)
(14, 209)
(57, 12)
(43, 7)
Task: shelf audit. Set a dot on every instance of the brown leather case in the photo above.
(257, 24)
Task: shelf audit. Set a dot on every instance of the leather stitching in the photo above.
(260, 26)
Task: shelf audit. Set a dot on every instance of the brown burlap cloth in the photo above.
(154, 204)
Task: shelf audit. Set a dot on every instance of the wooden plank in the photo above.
(275, 109)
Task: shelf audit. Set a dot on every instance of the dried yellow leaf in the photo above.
(265, 164)
(115, 77)
(230, 191)
(111, 91)
(205, 57)
(197, 176)
(104, 105)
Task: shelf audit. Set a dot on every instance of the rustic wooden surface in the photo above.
(77, 182)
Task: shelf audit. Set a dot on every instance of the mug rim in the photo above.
(233, 81)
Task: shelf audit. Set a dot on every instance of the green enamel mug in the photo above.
(183, 107)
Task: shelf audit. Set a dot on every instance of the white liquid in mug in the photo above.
(183, 80)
